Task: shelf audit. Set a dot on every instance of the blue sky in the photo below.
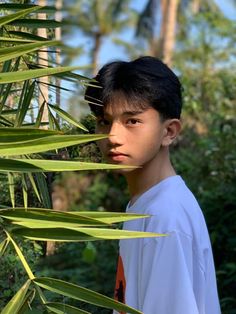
(110, 51)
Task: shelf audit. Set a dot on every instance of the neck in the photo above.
(141, 179)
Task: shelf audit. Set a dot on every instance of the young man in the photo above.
(139, 104)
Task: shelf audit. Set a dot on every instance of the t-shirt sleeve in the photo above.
(167, 275)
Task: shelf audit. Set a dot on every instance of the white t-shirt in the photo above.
(174, 274)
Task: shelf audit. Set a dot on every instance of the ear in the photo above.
(172, 128)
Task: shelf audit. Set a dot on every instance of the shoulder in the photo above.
(174, 209)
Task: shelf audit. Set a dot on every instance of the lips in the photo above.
(117, 156)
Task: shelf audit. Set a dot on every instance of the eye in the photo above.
(133, 121)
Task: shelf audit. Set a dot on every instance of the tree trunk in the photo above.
(195, 6)
(43, 62)
(95, 54)
(44, 94)
(169, 28)
(164, 14)
(58, 17)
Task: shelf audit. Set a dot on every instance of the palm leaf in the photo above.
(40, 216)
(13, 77)
(20, 6)
(6, 88)
(3, 246)
(37, 23)
(61, 308)
(83, 294)
(66, 116)
(14, 305)
(27, 36)
(14, 16)
(20, 50)
(39, 165)
(22, 134)
(43, 189)
(78, 234)
(46, 143)
(11, 188)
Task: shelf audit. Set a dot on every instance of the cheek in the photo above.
(151, 137)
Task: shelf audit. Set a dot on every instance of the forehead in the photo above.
(119, 104)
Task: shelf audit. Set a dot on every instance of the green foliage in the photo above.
(210, 173)
(21, 143)
(205, 156)
(93, 265)
(12, 273)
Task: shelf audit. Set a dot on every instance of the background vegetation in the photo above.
(198, 40)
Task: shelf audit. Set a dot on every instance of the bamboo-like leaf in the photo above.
(21, 99)
(43, 189)
(23, 108)
(58, 87)
(39, 165)
(48, 216)
(27, 36)
(6, 88)
(5, 122)
(20, 6)
(32, 181)
(85, 217)
(37, 23)
(9, 112)
(11, 188)
(14, 305)
(53, 121)
(25, 191)
(66, 116)
(13, 77)
(80, 234)
(25, 307)
(22, 134)
(14, 16)
(20, 50)
(3, 246)
(21, 257)
(48, 224)
(15, 40)
(83, 294)
(61, 308)
(46, 144)
(108, 217)
(40, 115)
(5, 68)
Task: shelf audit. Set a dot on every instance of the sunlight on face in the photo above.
(135, 132)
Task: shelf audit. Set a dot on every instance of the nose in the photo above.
(116, 134)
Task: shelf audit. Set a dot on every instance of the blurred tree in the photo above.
(161, 21)
(99, 19)
(161, 45)
(43, 96)
(204, 55)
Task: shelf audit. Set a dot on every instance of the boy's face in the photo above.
(135, 135)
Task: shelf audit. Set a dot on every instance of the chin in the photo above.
(124, 171)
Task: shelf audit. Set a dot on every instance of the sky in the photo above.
(110, 51)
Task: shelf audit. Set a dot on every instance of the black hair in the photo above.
(144, 82)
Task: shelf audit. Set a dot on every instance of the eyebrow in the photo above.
(133, 112)
(127, 113)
